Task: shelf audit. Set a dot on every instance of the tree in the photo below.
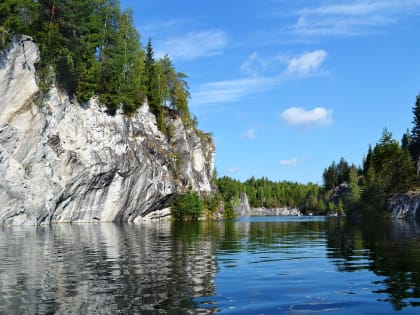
(152, 85)
(406, 140)
(392, 164)
(414, 146)
(373, 196)
(16, 16)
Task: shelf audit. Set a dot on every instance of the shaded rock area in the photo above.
(403, 206)
(61, 161)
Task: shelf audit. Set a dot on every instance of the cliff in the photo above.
(404, 206)
(61, 161)
(243, 209)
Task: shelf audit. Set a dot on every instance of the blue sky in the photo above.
(286, 87)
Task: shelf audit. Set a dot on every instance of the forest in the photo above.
(91, 48)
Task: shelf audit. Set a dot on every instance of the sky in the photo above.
(287, 87)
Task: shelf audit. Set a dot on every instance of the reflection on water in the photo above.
(249, 266)
(391, 249)
(101, 269)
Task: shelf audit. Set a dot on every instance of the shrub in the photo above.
(187, 207)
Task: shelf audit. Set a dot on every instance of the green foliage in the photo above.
(228, 212)
(16, 16)
(187, 207)
(388, 168)
(337, 174)
(414, 144)
(212, 203)
(152, 84)
(269, 194)
(92, 48)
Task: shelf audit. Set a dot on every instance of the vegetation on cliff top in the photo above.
(91, 47)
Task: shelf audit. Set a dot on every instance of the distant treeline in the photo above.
(389, 167)
(91, 48)
(270, 194)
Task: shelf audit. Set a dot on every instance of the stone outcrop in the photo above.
(404, 206)
(242, 208)
(275, 212)
(61, 161)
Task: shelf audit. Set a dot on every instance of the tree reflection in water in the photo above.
(389, 248)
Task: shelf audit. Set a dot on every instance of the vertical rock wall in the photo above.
(65, 162)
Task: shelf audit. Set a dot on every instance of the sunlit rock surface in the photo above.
(65, 162)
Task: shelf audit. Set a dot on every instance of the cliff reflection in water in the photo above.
(79, 269)
(302, 264)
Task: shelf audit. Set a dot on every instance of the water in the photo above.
(269, 265)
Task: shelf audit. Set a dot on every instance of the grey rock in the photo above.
(403, 206)
(275, 212)
(64, 162)
(242, 209)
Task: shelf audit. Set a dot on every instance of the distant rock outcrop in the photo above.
(242, 209)
(404, 206)
(275, 212)
(65, 162)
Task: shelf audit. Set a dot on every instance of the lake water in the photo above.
(264, 265)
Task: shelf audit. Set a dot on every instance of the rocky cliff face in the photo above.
(404, 206)
(65, 162)
(242, 208)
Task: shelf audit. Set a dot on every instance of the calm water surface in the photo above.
(270, 265)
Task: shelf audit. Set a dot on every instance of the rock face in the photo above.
(242, 209)
(65, 162)
(404, 206)
(275, 212)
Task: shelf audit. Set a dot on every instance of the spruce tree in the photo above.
(152, 85)
(414, 146)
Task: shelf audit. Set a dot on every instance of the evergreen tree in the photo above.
(16, 17)
(406, 140)
(414, 146)
(152, 85)
(373, 196)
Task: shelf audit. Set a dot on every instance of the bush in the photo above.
(187, 207)
(228, 212)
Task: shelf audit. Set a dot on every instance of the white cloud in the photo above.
(297, 116)
(230, 90)
(254, 65)
(352, 18)
(233, 170)
(297, 67)
(194, 45)
(250, 133)
(307, 63)
(291, 162)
